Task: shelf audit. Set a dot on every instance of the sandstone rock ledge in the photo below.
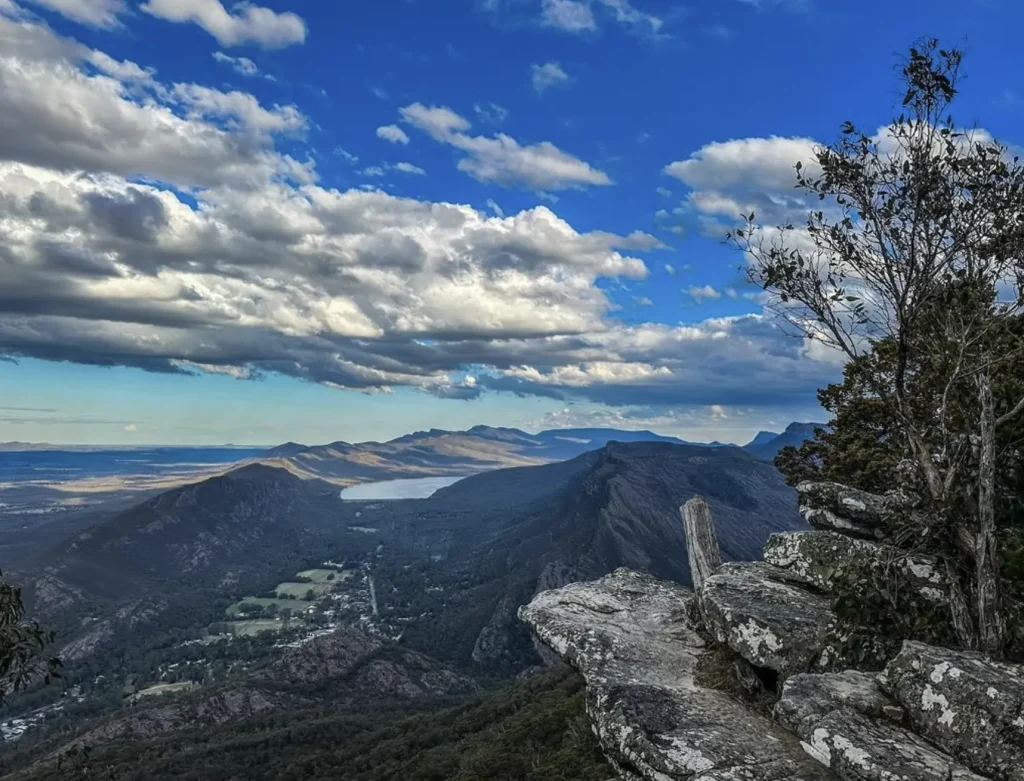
(932, 714)
(631, 638)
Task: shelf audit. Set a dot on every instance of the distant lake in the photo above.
(412, 488)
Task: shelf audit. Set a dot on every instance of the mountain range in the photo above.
(766, 445)
(486, 543)
(438, 452)
(433, 584)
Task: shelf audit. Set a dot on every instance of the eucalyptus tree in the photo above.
(915, 243)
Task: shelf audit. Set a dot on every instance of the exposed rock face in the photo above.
(836, 507)
(848, 723)
(332, 656)
(770, 618)
(809, 696)
(861, 749)
(630, 637)
(210, 709)
(971, 707)
(494, 638)
(829, 560)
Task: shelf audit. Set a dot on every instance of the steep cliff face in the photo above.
(932, 714)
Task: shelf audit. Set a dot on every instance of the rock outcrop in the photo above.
(829, 560)
(769, 617)
(355, 663)
(849, 724)
(702, 542)
(808, 696)
(836, 507)
(970, 706)
(631, 638)
(932, 714)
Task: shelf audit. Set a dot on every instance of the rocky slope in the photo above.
(931, 714)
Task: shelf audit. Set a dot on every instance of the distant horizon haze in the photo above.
(20, 445)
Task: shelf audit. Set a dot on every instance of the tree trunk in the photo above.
(986, 558)
(960, 612)
(923, 454)
(701, 540)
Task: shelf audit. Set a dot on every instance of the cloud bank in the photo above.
(160, 226)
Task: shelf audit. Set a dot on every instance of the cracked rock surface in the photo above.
(848, 723)
(837, 507)
(858, 748)
(770, 617)
(829, 560)
(969, 706)
(630, 637)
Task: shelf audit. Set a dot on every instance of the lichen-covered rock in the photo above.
(859, 748)
(808, 697)
(630, 637)
(832, 506)
(969, 706)
(770, 618)
(829, 560)
(848, 723)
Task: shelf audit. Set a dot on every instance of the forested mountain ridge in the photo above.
(236, 522)
(616, 507)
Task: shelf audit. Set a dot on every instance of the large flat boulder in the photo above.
(850, 725)
(770, 617)
(630, 637)
(969, 706)
(830, 560)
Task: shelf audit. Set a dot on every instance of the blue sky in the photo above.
(320, 221)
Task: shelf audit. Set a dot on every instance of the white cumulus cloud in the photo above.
(578, 16)
(246, 23)
(187, 135)
(701, 293)
(241, 65)
(393, 133)
(570, 15)
(409, 168)
(502, 159)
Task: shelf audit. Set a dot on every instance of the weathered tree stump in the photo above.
(701, 540)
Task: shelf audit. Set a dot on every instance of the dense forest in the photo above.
(533, 730)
